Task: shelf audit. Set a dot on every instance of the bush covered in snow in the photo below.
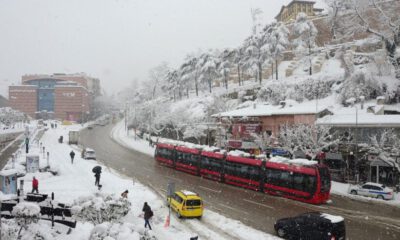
(305, 90)
(360, 84)
(120, 231)
(100, 208)
(34, 231)
(26, 213)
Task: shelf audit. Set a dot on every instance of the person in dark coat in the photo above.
(124, 194)
(147, 215)
(72, 155)
(35, 185)
(97, 177)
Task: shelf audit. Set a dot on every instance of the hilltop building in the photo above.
(61, 96)
(289, 13)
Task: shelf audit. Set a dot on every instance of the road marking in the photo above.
(174, 178)
(147, 169)
(390, 225)
(260, 204)
(209, 189)
(234, 209)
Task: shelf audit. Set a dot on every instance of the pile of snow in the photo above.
(298, 161)
(332, 218)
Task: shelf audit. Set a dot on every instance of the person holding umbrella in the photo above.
(97, 172)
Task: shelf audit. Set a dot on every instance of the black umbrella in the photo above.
(96, 169)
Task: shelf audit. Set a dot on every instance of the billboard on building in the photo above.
(32, 163)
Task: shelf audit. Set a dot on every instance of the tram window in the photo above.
(309, 183)
(298, 181)
(187, 158)
(211, 164)
(242, 170)
(165, 153)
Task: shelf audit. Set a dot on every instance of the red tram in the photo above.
(306, 183)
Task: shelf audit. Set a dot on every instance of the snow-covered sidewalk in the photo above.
(76, 181)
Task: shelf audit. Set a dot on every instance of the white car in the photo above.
(374, 190)
(89, 154)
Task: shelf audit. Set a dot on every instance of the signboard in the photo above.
(32, 163)
(8, 183)
(279, 152)
(238, 144)
(245, 130)
(234, 144)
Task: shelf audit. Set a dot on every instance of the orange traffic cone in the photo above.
(166, 222)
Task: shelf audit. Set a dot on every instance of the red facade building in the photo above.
(60, 96)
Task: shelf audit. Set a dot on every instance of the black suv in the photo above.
(313, 225)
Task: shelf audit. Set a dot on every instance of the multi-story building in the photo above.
(61, 96)
(289, 13)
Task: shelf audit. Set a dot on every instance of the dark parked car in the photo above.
(310, 226)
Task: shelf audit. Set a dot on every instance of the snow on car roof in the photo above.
(374, 184)
(332, 218)
(298, 161)
(89, 150)
(186, 192)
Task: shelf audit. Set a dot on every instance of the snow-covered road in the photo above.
(77, 180)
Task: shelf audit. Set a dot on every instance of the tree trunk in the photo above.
(196, 85)
(309, 55)
(226, 80)
(260, 72)
(272, 71)
(238, 70)
(187, 92)
(209, 84)
(276, 68)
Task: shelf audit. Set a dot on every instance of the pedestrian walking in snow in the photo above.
(124, 194)
(35, 185)
(72, 154)
(147, 215)
(97, 177)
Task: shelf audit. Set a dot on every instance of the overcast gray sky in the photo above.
(116, 40)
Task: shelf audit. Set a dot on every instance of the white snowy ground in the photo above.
(76, 181)
(119, 134)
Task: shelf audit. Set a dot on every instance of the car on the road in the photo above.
(89, 154)
(312, 226)
(374, 190)
(186, 204)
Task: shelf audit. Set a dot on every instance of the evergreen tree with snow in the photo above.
(305, 34)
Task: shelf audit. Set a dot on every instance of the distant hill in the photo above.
(3, 101)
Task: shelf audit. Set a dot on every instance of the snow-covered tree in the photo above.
(256, 49)
(226, 64)
(377, 17)
(305, 34)
(386, 145)
(238, 59)
(156, 76)
(191, 70)
(256, 53)
(309, 139)
(209, 68)
(278, 42)
(173, 84)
